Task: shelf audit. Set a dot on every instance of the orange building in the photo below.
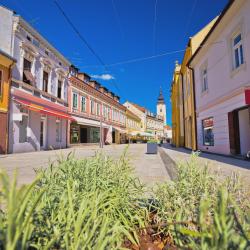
(6, 63)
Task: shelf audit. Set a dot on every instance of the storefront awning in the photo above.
(247, 96)
(89, 122)
(41, 109)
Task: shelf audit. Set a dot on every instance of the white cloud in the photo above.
(105, 77)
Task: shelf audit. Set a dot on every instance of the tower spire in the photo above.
(161, 98)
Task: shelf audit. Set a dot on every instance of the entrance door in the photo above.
(234, 135)
(43, 134)
(83, 135)
(113, 136)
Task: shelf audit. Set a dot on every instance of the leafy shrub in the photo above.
(78, 204)
(200, 212)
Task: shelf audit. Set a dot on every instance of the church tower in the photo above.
(161, 107)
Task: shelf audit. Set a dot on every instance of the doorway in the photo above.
(83, 135)
(43, 133)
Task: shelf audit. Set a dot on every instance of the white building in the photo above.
(222, 83)
(38, 105)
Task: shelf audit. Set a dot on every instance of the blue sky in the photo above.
(121, 30)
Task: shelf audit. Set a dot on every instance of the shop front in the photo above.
(87, 131)
(36, 125)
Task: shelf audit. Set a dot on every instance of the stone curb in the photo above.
(169, 163)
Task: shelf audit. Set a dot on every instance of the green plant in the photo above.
(152, 141)
(74, 204)
(201, 212)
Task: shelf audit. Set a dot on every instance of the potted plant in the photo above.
(152, 147)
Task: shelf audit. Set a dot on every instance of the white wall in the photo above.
(225, 85)
(5, 30)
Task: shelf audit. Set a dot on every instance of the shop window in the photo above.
(23, 129)
(208, 135)
(1, 83)
(83, 104)
(45, 81)
(59, 89)
(238, 57)
(75, 101)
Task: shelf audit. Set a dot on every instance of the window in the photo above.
(45, 81)
(92, 107)
(83, 104)
(98, 109)
(75, 101)
(58, 130)
(208, 135)
(23, 129)
(238, 57)
(1, 82)
(36, 43)
(59, 89)
(27, 71)
(47, 52)
(204, 80)
(28, 38)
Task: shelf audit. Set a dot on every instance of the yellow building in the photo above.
(188, 88)
(133, 125)
(6, 63)
(177, 108)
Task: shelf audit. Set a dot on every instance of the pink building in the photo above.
(93, 107)
(222, 83)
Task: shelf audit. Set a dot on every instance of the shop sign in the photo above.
(209, 122)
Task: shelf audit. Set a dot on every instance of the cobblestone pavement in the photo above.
(223, 166)
(149, 168)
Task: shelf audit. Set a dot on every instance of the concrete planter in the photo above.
(152, 148)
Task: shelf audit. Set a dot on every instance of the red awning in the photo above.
(41, 109)
(247, 96)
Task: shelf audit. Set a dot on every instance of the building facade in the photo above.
(151, 124)
(222, 83)
(188, 87)
(6, 64)
(38, 104)
(177, 108)
(133, 125)
(98, 116)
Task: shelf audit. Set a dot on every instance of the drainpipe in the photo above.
(195, 117)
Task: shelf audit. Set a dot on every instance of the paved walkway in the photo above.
(149, 168)
(222, 165)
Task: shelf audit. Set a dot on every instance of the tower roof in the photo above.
(161, 98)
